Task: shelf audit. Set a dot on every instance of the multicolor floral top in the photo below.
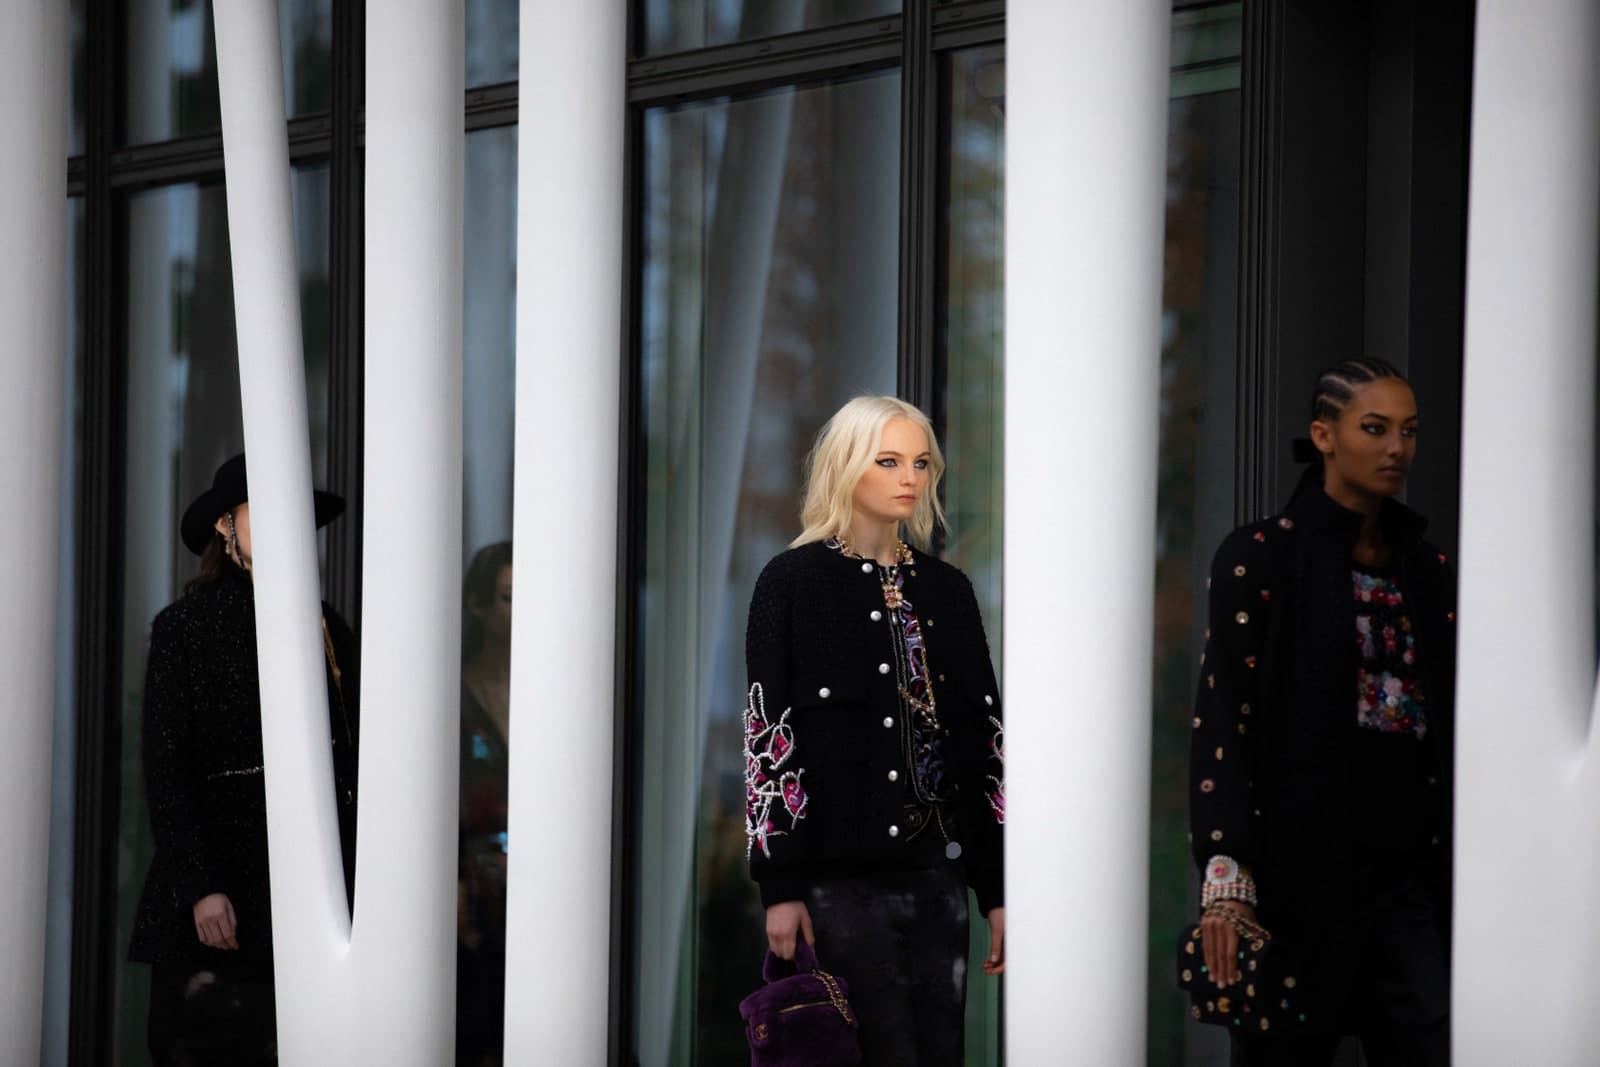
(1389, 697)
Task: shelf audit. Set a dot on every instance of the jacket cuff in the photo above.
(780, 888)
(990, 891)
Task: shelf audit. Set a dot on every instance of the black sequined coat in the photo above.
(203, 768)
(1278, 774)
(825, 744)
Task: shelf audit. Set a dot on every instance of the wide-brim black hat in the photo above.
(228, 490)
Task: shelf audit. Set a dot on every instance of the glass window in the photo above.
(491, 41)
(1196, 460)
(679, 25)
(170, 59)
(768, 299)
(183, 420)
(489, 406)
(970, 402)
(78, 89)
(63, 740)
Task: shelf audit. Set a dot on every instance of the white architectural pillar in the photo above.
(380, 990)
(1086, 105)
(1527, 785)
(405, 917)
(563, 674)
(33, 215)
(310, 918)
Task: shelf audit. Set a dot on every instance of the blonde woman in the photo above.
(874, 750)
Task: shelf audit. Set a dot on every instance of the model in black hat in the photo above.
(204, 919)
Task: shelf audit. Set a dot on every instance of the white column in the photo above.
(33, 214)
(563, 674)
(405, 916)
(1086, 105)
(310, 917)
(1527, 785)
(380, 990)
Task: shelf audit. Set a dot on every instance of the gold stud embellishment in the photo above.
(1242, 618)
(1224, 1004)
(1188, 975)
(1288, 983)
(1250, 990)
(1219, 751)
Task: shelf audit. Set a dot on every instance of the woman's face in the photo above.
(496, 614)
(898, 475)
(1369, 448)
(241, 529)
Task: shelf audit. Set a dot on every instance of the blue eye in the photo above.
(886, 462)
(922, 464)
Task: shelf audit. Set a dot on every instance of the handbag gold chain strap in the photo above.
(835, 994)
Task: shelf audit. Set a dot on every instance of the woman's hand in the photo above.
(214, 921)
(1221, 942)
(783, 922)
(995, 963)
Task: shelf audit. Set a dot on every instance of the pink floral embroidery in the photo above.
(767, 747)
(997, 785)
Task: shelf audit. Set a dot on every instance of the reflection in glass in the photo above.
(63, 737)
(491, 41)
(170, 63)
(488, 409)
(971, 403)
(1194, 501)
(183, 420)
(679, 25)
(78, 89)
(768, 291)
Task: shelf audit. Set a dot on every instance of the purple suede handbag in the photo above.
(802, 1019)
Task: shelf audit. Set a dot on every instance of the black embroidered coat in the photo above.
(1275, 781)
(202, 769)
(826, 756)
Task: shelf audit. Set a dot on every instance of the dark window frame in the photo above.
(107, 171)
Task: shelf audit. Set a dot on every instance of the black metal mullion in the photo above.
(1255, 417)
(99, 564)
(808, 55)
(918, 206)
(199, 157)
(966, 25)
(346, 376)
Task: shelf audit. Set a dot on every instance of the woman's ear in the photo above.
(221, 525)
(1322, 436)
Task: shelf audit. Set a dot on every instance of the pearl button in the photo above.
(824, 692)
(952, 851)
(883, 668)
(894, 776)
(989, 700)
(877, 616)
(866, 568)
(888, 721)
(894, 831)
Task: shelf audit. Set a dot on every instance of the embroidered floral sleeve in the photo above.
(775, 794)
(768, 783)
(997, 782)
(1221, 742)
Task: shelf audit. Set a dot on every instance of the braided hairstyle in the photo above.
(1336, 387)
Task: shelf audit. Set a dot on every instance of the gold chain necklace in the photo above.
(888, 576)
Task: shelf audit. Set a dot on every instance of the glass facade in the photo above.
(170, 64)
(768, 298)
(183, 420)
(679, 25)
(773, 188)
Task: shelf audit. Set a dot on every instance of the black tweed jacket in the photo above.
(1276, 777)
(203, 769)
(826, 750)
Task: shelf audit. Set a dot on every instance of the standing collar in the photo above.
(1313, 509)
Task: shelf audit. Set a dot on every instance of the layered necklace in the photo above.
(888, 576)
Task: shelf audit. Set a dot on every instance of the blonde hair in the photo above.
(845, 448)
